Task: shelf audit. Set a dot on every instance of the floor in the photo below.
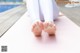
(9, 17)
(71, 13)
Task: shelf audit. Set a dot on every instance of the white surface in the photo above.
(20, 39)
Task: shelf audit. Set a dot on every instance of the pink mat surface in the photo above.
(20, 39)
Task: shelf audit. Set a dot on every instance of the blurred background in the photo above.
(10, 12)
(12, 1)
(70, 8)
(9, 4)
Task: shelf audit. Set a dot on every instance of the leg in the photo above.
(47, 9)
(33, 8)
(50, 12)
(55, 10)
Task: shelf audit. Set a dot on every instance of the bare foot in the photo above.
(50, 28)
(37, 28)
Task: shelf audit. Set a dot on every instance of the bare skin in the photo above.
(50, 28)
(37, 28)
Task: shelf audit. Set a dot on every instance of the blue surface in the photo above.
(6, 7)
(14, 0)
(11, 0)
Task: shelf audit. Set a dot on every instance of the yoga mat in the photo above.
(20, 39)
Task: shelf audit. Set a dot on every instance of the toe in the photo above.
(46, 25)
(33, 28)
(41, 25)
